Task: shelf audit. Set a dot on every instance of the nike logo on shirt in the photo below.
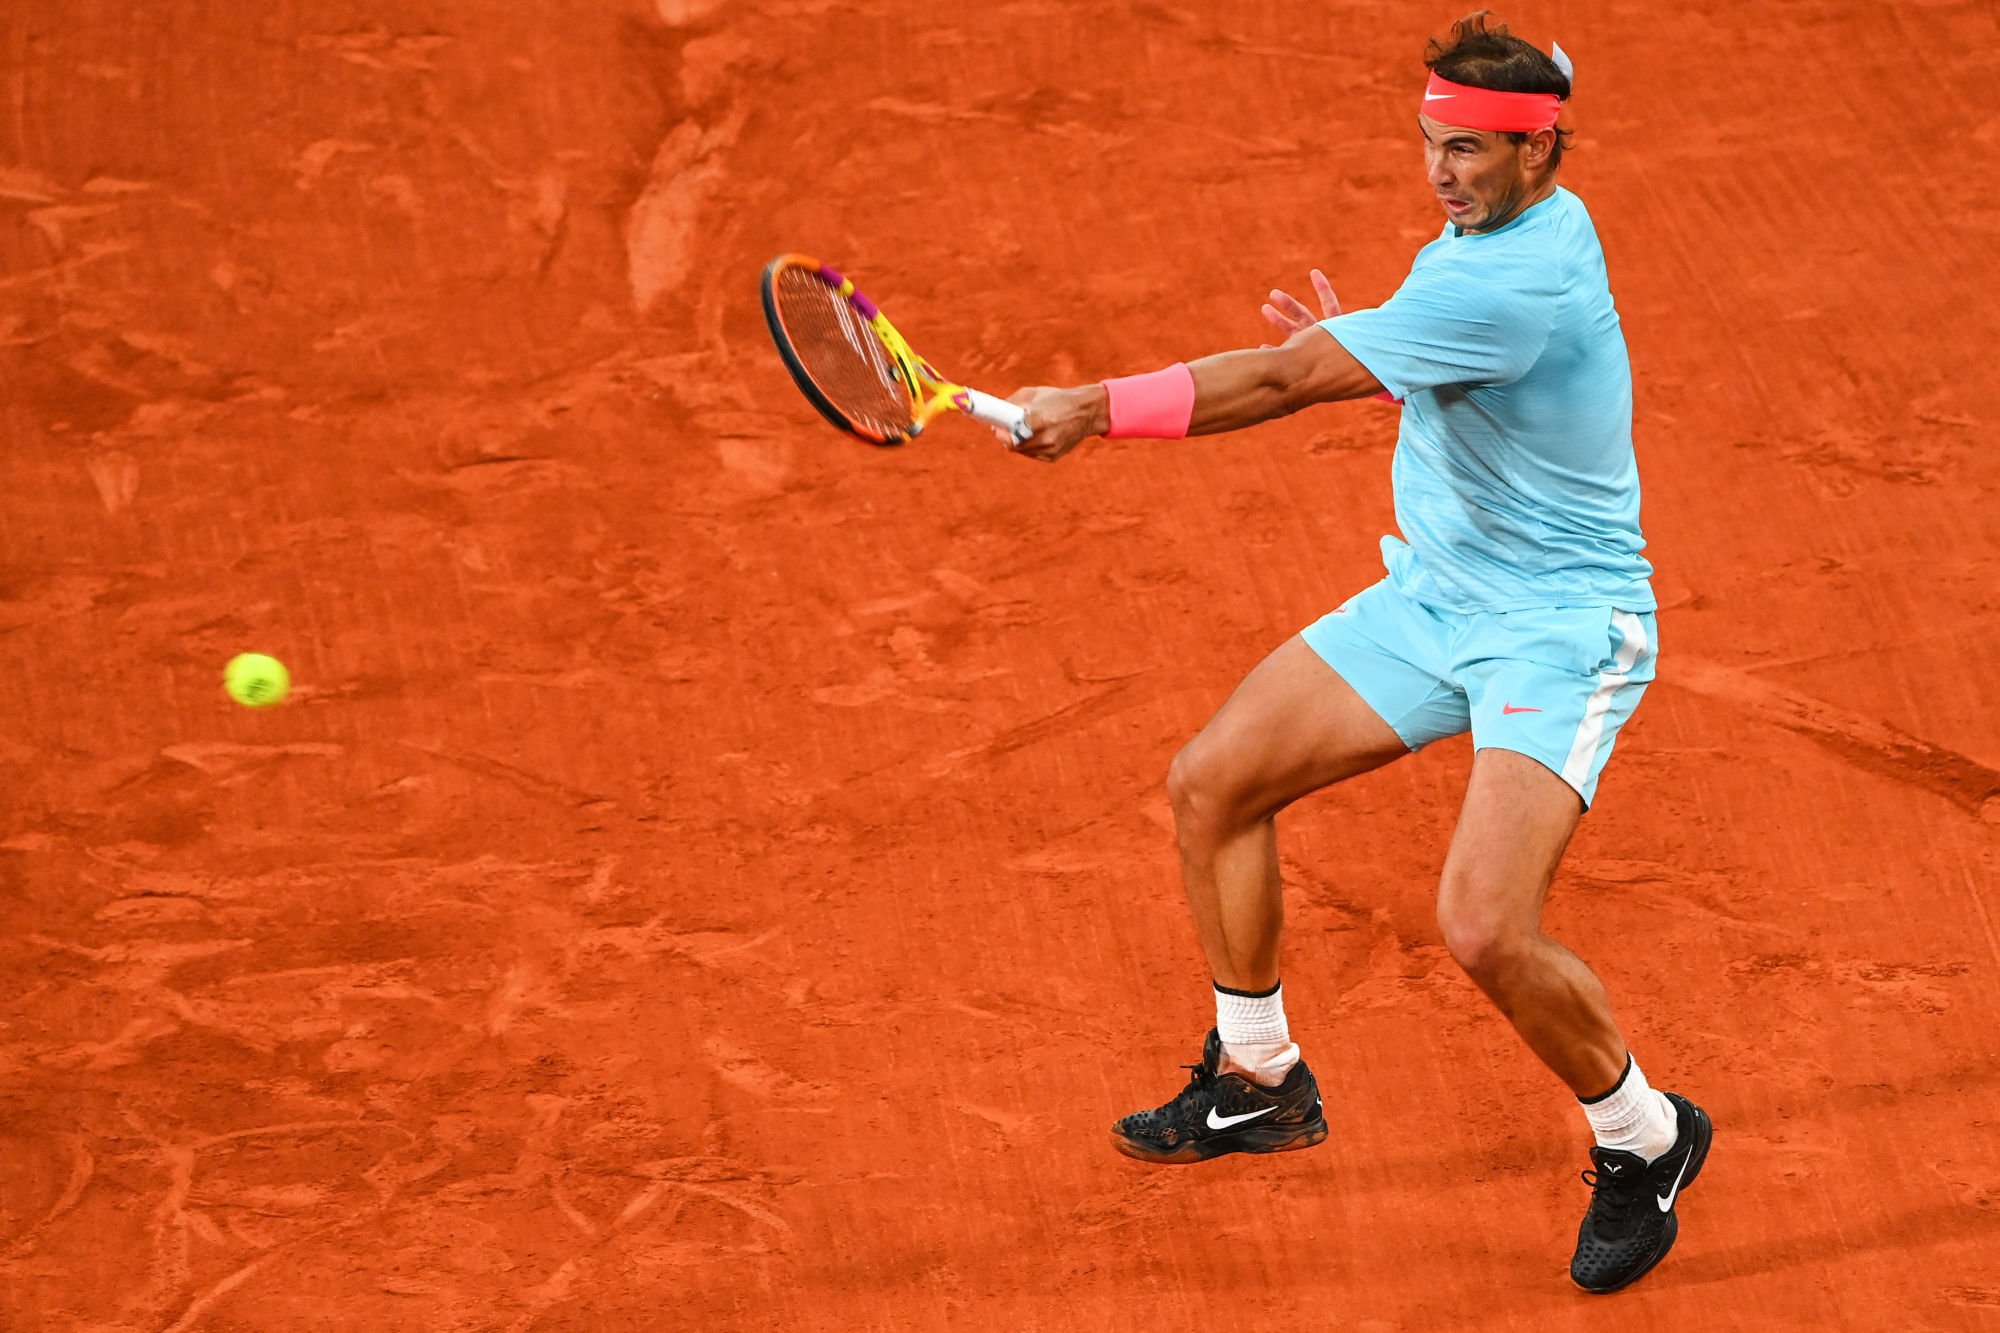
(1225, 1121)
(1507, 710)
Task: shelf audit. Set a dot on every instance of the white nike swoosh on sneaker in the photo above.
(1667, 1203)
(1435, 97)
(1225, 1121)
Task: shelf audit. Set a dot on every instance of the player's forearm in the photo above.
(1234, 390)
(1228, 391)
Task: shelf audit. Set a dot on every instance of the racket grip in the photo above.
(997, 412)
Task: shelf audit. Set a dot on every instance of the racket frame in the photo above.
(931, 394)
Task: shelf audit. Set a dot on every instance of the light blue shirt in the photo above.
(1515, 480)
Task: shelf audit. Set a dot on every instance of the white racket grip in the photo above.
(998, 412)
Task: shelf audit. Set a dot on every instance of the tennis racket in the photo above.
(851, 363)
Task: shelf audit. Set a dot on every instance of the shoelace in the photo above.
(1201, 1080)
(1615, 1197)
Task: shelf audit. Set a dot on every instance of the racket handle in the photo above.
(997, 412)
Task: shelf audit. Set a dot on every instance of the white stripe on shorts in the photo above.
(1583, 752)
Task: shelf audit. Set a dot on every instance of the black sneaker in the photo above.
(1631, 1223)
(1224, 1113)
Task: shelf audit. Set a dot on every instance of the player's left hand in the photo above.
(1288, 314)
(1061, 419)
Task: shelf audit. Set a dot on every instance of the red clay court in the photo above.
(714, 874)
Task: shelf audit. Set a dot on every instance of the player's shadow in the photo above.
(1770, 1253)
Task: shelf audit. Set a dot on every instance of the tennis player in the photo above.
(1516, 606)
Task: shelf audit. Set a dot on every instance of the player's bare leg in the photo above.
(1516, 821)
(1292, 727)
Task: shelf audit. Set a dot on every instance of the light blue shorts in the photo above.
(1555, 685)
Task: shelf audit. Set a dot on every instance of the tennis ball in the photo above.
(256, 681)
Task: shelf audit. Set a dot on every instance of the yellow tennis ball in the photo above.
(256, 681)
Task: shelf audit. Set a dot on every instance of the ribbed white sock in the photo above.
(1632, 1117)
(1255, 1038)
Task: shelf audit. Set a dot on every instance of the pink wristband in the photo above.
(1158, 406)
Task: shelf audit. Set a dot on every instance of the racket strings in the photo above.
(840, 351)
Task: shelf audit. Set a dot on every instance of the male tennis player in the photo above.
(1516, 606)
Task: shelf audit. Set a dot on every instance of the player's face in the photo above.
(1481, 178)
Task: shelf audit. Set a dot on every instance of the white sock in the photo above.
(1632, 1117)
(1255, 1038)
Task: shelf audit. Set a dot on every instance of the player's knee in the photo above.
(1487, 944)
(1198, 786)
(1186, 779)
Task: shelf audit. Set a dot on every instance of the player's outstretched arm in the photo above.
(1232, 390)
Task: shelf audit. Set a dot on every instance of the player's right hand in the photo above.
(1060, 418)
(1288, 314)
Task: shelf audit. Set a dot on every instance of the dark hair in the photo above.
(1483, 55)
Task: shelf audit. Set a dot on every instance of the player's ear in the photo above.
(1535, 152)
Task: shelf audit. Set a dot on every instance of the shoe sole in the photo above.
(1704, 1136)
(1263, 1139)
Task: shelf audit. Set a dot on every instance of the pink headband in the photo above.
(1485, 109)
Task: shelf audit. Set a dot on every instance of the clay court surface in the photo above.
(713, 874)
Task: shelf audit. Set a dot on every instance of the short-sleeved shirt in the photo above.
(1515, 480)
